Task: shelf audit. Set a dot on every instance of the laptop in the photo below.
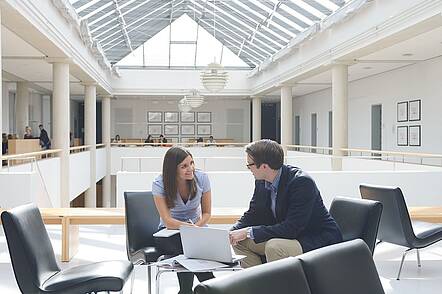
(208, 243)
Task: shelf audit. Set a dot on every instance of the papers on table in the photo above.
(198, 265)
(193, 265)
(164, 233)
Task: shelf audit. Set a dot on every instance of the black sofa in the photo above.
(344, 268)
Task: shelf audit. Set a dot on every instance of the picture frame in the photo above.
(414, 110)
(204, 117)
(154, 117)
(414, 135)
(172, 140)
(188, 130)
(402, 111)
(171, 117)
(402, 136)
(187, 117)
(172, 129)
(154, 129)
(204, 130)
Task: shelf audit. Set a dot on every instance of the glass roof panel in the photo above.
(249, 31)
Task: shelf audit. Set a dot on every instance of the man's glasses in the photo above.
(250, 164)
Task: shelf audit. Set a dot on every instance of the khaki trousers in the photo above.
(273, 249)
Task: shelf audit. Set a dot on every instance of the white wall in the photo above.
(100, 163)
(38, 183)
(142, 82)
(35, 112)
(419, 81)
(235, 189)
(79, 173)
(5, 108)
(137, 108)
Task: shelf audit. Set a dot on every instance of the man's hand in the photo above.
(238, 235)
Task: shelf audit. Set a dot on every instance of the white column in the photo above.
(256, 118)
(90, 126)
(286, 117)
(1, 90)
(106, 138)
(5, 108)
(46, 113)
(22, 108)
(340, 112)
(61, 113)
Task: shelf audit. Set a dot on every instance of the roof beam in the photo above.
(264, 51)
(122, 25)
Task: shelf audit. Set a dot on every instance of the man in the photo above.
(286, 216)
(45, 142)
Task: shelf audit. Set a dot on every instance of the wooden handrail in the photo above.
(75, 148)
(31, 154)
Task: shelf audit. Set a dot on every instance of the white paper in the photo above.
(198, 265)
(164, 233)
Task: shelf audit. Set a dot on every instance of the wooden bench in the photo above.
(71, 218)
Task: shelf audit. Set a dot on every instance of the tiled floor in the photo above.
(108, 242)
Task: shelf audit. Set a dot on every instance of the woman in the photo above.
(149, 139)
(28, 133)
(182, 197)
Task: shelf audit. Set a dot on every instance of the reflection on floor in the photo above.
(108, 242)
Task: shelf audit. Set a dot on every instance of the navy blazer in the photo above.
(300, 212)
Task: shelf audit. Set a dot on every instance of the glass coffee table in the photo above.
(180, 269)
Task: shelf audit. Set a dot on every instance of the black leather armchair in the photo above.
(35, 268)
(142, 221)
(395, 226)
(357, 218)
(320, 271)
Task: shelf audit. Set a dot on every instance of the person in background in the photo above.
(45, 142)
(28, 133)
(286, 216)
(149, 139)
(4, 143)
(211, 140)
(183, 198)
(117, 139)
(162, 140)
(200, 140)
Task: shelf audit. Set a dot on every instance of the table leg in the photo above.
(69, 240)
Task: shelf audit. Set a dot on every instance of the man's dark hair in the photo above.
(266, 151)
(40, 126)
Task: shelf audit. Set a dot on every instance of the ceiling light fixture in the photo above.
(194, 99)
(184, 106)
(214, 79)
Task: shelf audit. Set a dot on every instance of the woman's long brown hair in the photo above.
(174, 156)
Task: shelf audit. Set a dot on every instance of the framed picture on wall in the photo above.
(188, 130)
(414, 111)
(154, 116)
(188, 117)
(171, 129)
(402, 136)
(154, 129)
(204, 117)
(170, 117)
(402, 111)
(414, 135)
(204, 130)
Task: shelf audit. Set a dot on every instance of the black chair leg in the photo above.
(149, 278)
(402, 263)
(418, 258)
